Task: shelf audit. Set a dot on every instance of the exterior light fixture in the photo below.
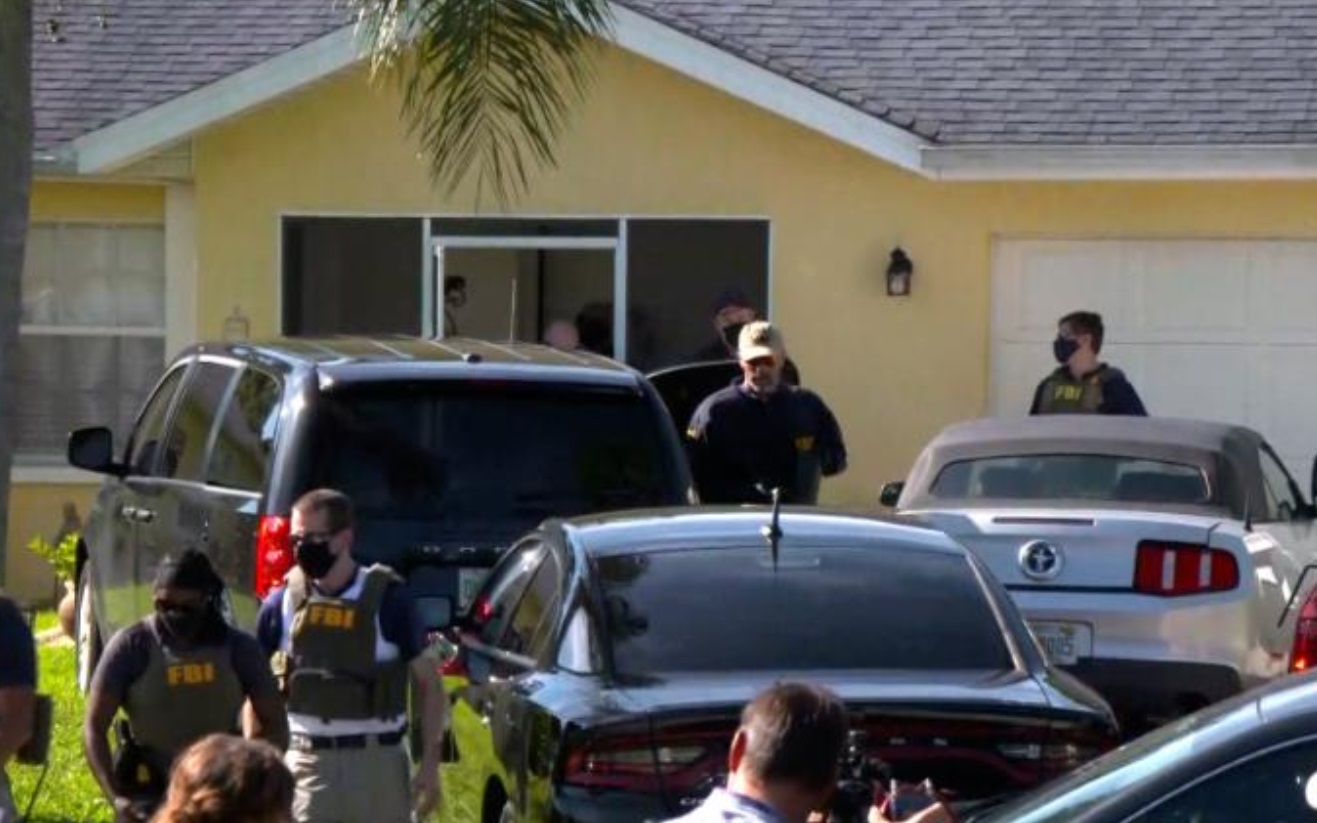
(900, 270)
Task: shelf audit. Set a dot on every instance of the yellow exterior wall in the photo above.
(649, 141)
(37, 508)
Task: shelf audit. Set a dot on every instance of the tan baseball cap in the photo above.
(760, 339)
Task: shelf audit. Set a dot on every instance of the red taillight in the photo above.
(274, 553)
(676, 760)
(1179, 569)
(1303, 655)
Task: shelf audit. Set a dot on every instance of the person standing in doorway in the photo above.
(1081, 383)
(454, 299)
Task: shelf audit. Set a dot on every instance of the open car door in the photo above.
(683, 387)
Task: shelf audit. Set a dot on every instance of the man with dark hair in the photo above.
(1081, 384)
(731, 312)
(345, 643)
(454, 298)
(18, 684)
(784, 761)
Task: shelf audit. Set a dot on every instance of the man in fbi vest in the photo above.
(345, 644)
(1081, 384)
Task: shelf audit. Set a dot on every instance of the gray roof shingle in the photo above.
(1133, 72)
(151, 51)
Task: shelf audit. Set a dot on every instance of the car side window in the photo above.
(144, 443)
(1279, 785)
(578, 652)
(1283, 503)
(527, 633)
(245, 434)
(189, 433)
(504, 590)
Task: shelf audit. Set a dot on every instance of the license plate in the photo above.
(1065, 643)
(468, 583)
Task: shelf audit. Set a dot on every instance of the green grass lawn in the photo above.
(68, 793)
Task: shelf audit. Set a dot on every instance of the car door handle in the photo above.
(133, 514)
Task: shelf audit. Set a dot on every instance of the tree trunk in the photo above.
(15, 191)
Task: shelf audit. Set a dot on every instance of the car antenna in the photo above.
(773, 531)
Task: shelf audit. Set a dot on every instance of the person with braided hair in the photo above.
(178, 675)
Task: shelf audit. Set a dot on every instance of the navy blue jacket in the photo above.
(737, 441)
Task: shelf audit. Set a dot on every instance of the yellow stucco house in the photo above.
(228, 168)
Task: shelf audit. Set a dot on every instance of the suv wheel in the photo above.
(88, 646)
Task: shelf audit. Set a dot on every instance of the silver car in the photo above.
(1163, 561)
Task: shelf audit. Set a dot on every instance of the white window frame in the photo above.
(22, 472)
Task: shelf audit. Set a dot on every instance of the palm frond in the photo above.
(488, 85)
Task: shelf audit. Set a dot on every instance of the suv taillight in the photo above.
(1179, 569)
(274, 553)
(675, 761)
(1303, 655)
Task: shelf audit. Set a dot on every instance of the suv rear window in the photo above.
(491, 456)
(1072, 477)
(726, 609)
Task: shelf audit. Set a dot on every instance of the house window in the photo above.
(92, 332)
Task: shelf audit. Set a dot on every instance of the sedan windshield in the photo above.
(1073, 477)
(878, 607)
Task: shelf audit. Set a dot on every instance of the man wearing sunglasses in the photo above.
(346, 644)
(179, 675)
(762, 433)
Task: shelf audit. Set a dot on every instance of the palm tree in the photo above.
(487, 84)
(15, 188)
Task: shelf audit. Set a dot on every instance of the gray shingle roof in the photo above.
(1039, 71)
(1133, 72)
(152, 51)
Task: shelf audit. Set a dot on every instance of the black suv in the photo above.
(449, 449)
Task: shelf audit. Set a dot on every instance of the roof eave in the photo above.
(1120, 162)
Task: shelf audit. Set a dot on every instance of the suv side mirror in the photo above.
(93, 449)
(891, 492)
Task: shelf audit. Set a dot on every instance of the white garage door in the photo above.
(1220, 330)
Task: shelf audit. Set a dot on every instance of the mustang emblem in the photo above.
(1040, 560)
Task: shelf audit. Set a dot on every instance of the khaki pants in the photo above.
(8, 814)
(351, 785)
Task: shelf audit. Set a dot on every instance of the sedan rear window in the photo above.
(487, 456)
(727, 609)
(1072, 477)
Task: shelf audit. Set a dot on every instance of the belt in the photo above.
(311, 742)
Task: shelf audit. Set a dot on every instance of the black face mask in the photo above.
(314, 558)
(183, 624)
(1063, 348)
(732, 335)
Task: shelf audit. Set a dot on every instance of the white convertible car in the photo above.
(1162, 561)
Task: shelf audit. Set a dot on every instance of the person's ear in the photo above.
(737, 752)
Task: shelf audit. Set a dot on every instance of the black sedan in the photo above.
(604, 663)
(1249, 759)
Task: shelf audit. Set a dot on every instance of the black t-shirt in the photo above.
(18, 652)
(129, 652)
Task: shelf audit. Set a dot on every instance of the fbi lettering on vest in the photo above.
(331, 616)
(190, 674)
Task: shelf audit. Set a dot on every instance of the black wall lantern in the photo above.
(899, 273)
